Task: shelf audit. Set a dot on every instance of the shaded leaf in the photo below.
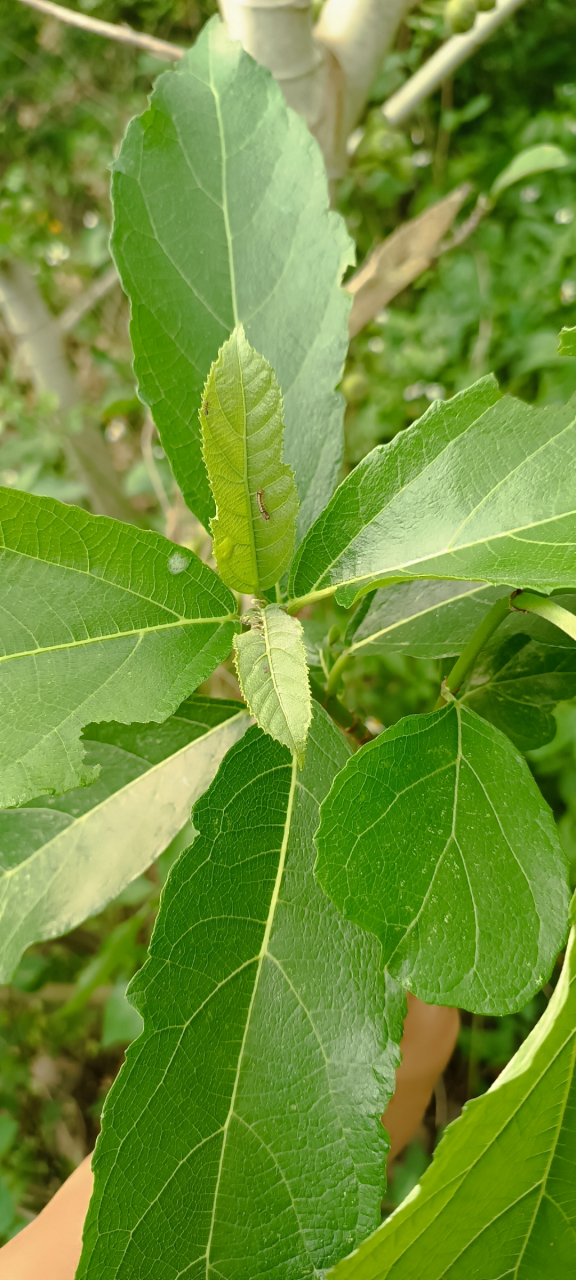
(254, 491)
(221, 218)
(98, 621)
(436, 837)
(518, 681)
(267, 1056)
(532, 160)
(498, 1199)
(273, 676)
(475, 491)
(425, 619)
(63, 858)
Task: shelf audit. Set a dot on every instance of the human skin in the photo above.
(49, 1248)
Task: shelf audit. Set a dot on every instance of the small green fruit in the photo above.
(355, 386)
(460, 15)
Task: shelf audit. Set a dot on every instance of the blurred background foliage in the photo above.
(497, 302)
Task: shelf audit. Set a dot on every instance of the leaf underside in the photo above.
(437, 839)
(98, 621)
(268, 1052)
(498, 1200)
(273, 676)
(480, 489)
(63, 858)
(254, 491)
(221, 218)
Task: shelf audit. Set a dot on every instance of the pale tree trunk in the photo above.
(325, 71)
(39, 350)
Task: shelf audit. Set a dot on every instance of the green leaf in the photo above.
(63, 858)
(221, 218)
(567, 342)
(121, 1022)
(532, 160)
(425, 619)
(242, 1138)
(436, 838)
(518, 681)
(98, 621)
(254, 491)
(273, 676)
(474, 491)
(498, 1199)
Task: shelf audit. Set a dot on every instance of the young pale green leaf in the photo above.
(475, 490)
(518, 681)
(242, 1138)
(273, 676)
(63, 858)
(436, 838)
(98, 621)
(254, 491)
(498, 1200)
(429, 619)
(221, 218)
(567, 343)
(537, 159)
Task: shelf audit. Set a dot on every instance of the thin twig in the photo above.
(110, 30)
(93, 294)
(452, 54)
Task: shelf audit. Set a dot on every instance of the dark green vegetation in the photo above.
(497, 302)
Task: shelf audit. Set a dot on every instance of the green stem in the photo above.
(546, 608)
(294, 606)
(470, 653)
(336, 672)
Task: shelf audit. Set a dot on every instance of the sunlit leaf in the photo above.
(254, 491)
(221, 218)
(273, 676)
(63, 858)
(474, 491)
(242, 1139)
(98, 621)
(532, 160)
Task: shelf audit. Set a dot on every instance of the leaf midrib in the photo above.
(262, 954)
(117, 635)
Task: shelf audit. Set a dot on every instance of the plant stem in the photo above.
(546, 608)
(294, 606)
(470, 653)
(336, 672)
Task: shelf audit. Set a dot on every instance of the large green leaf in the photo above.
(242, 1139)
(63, 858)
(436, 838)
(273, 676)
(567, 342)
(98, 621)
(475, 491)
(221, 218)
(498, 1200)
(254, 491)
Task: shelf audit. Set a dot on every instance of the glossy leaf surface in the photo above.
(63, 858)
(221, 218)
(273, 676)
(436, 838)
(267, 1055)
(98, 621)
(498, 1200)
(474, 491)
(567, 345)
(254, 491)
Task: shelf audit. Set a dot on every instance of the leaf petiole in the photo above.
(546, 608)
(470, 653)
